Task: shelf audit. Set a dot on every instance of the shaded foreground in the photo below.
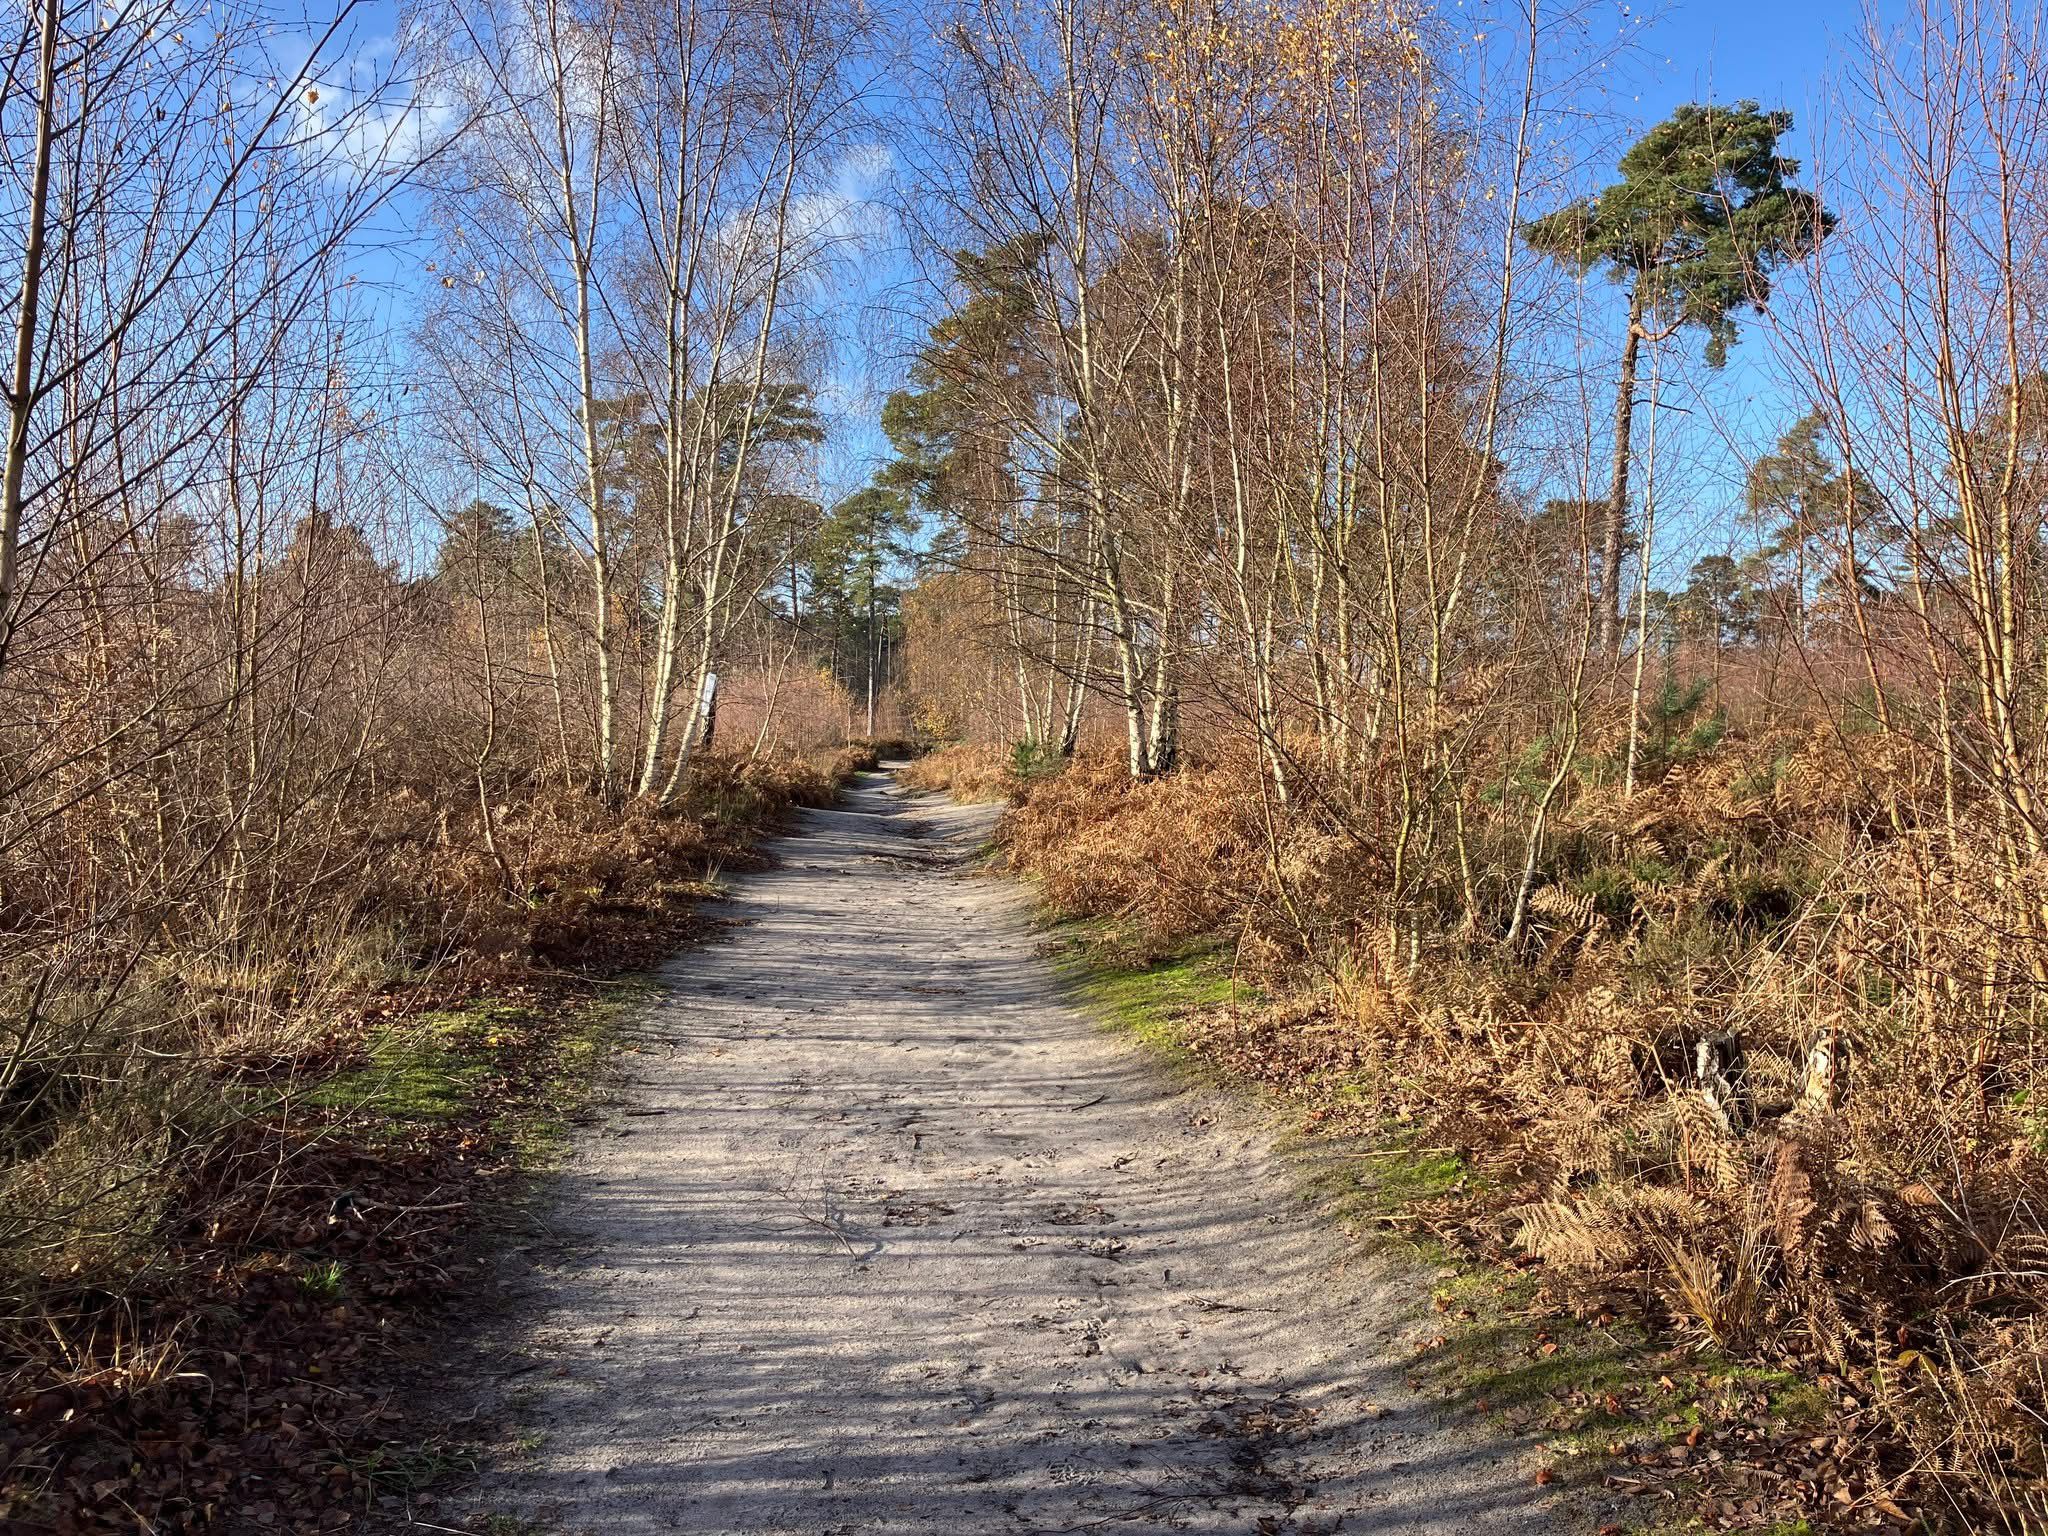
(889, 1238)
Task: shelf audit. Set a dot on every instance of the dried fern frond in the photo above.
(1696, 1138)
(1613, 1228)
(1573, 909)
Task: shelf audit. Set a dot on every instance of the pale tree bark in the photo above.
(724, 275)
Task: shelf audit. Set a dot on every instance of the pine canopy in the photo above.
(1704, 211)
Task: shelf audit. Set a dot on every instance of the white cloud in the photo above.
(371, 106)
(847, 215)
(841, 221)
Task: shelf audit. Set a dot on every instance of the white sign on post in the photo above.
(707, 706)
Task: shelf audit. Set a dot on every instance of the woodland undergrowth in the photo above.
(236, 1202)
(1759, 1074)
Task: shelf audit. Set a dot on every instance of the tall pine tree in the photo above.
(1703, 213)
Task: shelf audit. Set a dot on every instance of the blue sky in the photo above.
(1779, 52)
(1788, 54)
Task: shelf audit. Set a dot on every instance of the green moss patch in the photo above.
(1135, 991)
(528, 1070)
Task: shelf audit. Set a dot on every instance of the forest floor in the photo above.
(885, 1234)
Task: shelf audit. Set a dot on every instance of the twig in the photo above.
(823, 1223)
(825, 1226)
(428, 1525)
(1139, 1511)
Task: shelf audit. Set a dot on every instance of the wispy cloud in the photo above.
(847, 216)
(369, 109)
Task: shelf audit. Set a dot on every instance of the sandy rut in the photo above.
(887, 1237)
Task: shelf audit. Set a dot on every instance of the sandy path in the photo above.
(888, 1238)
